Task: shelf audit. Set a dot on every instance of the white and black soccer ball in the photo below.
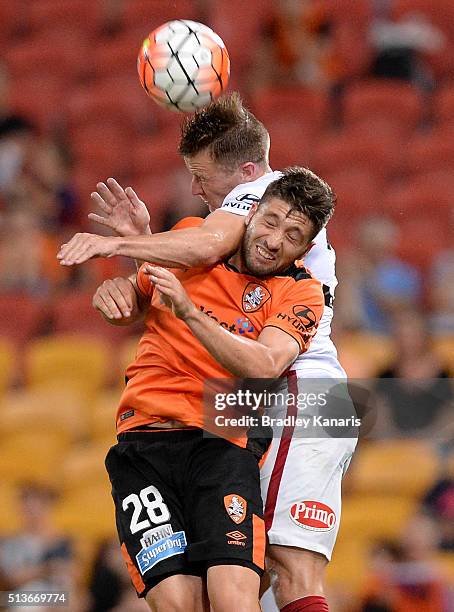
(183, 65)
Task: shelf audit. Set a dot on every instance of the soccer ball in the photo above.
(183, 65)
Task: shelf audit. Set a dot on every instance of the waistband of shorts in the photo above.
(146, 432)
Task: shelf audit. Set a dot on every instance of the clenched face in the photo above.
(275, 237)
(210, 180)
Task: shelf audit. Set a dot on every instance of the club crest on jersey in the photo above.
(313, 515)
(254, 296)
(236, 507)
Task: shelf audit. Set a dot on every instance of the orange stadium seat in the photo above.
(398, 103)
(9, 508)
(240, 34)
(38, 97)
(87, 512)
(437, 11)
(377, 516)
(157, 154)
(443, 107)
(433, 151)
(358, 192)
(309, 108)
(48, 14)
(28, 312)
(62, 411)
(73, 313)
(28, 456)
(154, 12)
(102, 147)
(444, 348)
(104, 411)
(426, 192)
(67, 361)
(364, 355)
(118, 55)
(420, 238)
(338, 152)
(63, 54)
(7, 365)
(129, 108)
(374, 469)
(83, 467)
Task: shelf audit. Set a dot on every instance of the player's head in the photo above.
(223, 145)
(292, 211)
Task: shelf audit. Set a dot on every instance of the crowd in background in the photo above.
(361, 91)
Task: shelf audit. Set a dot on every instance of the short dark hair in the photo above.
(232, 134)
(306, 192)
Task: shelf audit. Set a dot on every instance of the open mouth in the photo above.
(264, 254)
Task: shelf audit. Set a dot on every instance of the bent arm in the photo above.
(120, 301)
(267, 357)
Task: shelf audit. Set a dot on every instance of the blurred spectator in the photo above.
(415, 391)
(405, 577)
(110, 586)
(24, 252)
(375, 283)
(439, 504)
(297, 46)
(400, 46)
(442, 293)
(38, 558)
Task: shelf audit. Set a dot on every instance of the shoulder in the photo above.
(188, 222)
(243, 196)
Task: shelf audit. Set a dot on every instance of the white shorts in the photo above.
(302, 475)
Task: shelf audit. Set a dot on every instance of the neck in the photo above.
(237, 262)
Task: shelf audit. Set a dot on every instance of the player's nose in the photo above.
(273, 241)
(196, 187)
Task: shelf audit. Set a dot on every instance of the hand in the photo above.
(115, 298)
(172, 292)
(82, 247)
(124, 212)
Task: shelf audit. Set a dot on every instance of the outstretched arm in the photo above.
(216, 238)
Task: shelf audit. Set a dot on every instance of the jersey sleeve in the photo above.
(143, 282)
(188, 222)
(297, 311)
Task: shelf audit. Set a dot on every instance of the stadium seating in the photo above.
(69, 362)
(103, 415)
(443, 107)
(376, 516)
(7, 365)
(33, 456)
(444, 348)
(417, 468)
(83, 467)
(430, 152)
(364, 355)
(336, 152)
(398, 103)
(61, 411)
(87, 513)
(28, 312)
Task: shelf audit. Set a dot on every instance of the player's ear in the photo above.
(248, 171)
(250, 214)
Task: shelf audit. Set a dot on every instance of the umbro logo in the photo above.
(236, 535)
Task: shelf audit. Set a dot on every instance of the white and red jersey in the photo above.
(320, 260)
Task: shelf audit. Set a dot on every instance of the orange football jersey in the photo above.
(166, 379)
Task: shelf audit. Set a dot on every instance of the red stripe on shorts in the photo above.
(281, 456)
